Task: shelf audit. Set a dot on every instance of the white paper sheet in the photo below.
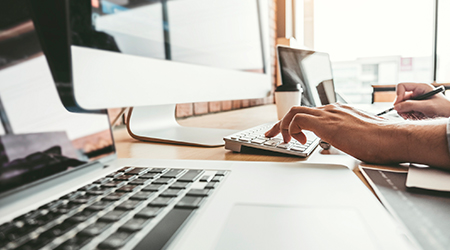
(428, 178)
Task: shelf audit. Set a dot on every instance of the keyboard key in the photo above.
(148, 212)
(173, 173)
(160, 202)
(149, 176)
(154, 187)
(258, 141)
(125, 169)
(125, 177)
(180, 185)
(217, 179)
(158, 170)
(137, 171)
(191, 176)
(103, 180)
(127, 188)
(134, 224)
(245, 139)
(114, 215)
(59, 230)
(143, 195)
(95, 229)
(100, 205)
(113, 184)
(82, 216)
(164, 181)
(199, 192)
(114, 196)
(189, 202)
(116, 240)
(300, 149)
(283, 145)
(221, 173)
(139, 182)
(73, 243)
(211, 185)
(129, 204)
(164, 230)
(170, 193)
(206, 178)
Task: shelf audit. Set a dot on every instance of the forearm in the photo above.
(422, 142)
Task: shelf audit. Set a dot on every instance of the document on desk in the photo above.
(428, 178)
(425, 213)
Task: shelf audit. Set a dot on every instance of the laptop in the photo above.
(63, 187)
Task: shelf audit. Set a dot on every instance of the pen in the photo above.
(420, 97)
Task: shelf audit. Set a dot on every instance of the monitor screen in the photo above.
(156, 52)
(309, 69)
(39, 138)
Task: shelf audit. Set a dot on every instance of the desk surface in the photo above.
(128, 147)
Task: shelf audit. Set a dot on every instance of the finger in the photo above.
(408, 106)
(287, 119)
(275, 130)
(300, 122)
(416, 88)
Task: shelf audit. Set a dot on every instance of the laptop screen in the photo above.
(311, 70)
(38, 136)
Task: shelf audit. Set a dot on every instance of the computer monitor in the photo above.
(309, 69)
(152, 55)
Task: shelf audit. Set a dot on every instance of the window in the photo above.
(379, 42)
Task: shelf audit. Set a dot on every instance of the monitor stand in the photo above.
(158, 124)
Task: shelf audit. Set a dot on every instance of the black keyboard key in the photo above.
(36, 243)
(221, 173)
(164, 230)
(143, 195)
(137, 171)
(211, 185)
(113, 184)
(100, 205)
(114, 196)
(95, 229)
(164, 181)
(83, 199)
(154, 187)
(149, 176)
(216, 179)
(160, 202)
(173, 173)
(191, 176)
(129, 204)
(157, 170)
(114, 215)
(82, 216)
(206, 178)
(199, 192)
(190, 202)
(59, 230)
(74, 243)
(103, 180)
(125, 169)
(125, 177)
(180, 185)
(127, 188)
(116, 240)
(134, 224)
(139, 182)
(171, 193)
(148, 212)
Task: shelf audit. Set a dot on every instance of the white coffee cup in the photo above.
(286, 99)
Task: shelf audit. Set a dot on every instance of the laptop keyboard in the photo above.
(254, 138)
(134, 205)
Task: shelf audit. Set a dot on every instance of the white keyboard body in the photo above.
(254, 138)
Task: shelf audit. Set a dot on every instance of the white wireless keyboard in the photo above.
(254, 138)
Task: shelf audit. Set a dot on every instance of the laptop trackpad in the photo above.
(284, 227)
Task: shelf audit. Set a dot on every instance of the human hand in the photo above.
(348, 129)
(436, 106)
